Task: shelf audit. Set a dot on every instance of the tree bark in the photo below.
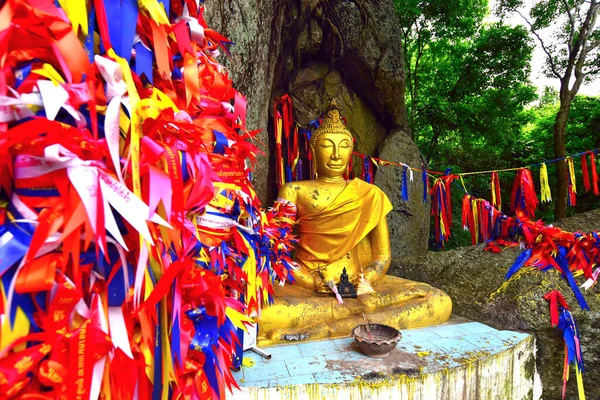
(560, 127)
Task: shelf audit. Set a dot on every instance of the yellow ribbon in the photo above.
(238, 319)
(76, 10)
(155, 10)
(50, 72)
(572, 173)
(20, 328)
(579, 383)
(250, 269)
(475, 220)
(545, 187)
(493, 192)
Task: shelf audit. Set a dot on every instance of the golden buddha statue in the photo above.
(342, 224)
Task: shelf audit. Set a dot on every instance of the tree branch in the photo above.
(553, 68)
(591, 72)
(571, 23)
(584, 33)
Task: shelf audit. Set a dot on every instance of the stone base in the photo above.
(465, 360)
(301, 315)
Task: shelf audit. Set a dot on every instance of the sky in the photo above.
(538, 59)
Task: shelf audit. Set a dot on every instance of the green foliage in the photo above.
(574, 43)
(572, 56)
(471, 103)
(468, 82)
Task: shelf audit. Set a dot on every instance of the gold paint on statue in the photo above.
(342, 224)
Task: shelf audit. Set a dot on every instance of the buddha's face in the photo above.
(332, 154)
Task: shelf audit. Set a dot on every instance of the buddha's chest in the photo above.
(314, 198)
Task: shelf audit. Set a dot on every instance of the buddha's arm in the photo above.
(288, 193)
(303, 277)
(379, 239)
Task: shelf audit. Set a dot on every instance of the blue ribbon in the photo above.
(315, 122)
(122, 16)
(116, 288)
(22, 300)
(425, 185)
(176, 341)
(185, 174)
(221, 142)
(367, 170)
(167, 5)
(404, 184)
(143, 61)
(299, 168)
(568, 326)
(561, 259)
(16, 248)
(519, 262)
(21, 74)
(89, 39)
(206, 339)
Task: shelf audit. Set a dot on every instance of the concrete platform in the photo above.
(456, 360)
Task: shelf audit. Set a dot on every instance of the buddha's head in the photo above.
(331, 144)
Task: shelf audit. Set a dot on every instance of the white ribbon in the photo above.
(87, 178)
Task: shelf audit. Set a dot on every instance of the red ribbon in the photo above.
(584, 172)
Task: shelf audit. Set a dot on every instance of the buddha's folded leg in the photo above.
(391, 291)
(418, 312)
(298, 317)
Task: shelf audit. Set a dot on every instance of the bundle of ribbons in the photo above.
(545, 248)
(132, 244)
(293, 158)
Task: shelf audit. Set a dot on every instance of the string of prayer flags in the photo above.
(571, 183)
(496, 192)
(562, 318)
(545, 194)
(523, 196)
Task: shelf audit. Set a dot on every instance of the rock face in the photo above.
(473, 279)
(408, 246)
(316, 51)
(255, 27)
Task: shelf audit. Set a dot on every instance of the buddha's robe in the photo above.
(330, 238)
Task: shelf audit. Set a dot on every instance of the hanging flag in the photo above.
(496, 195)
(545, 194)
(571, 183)
(404, 184)
(425, 180)
(584, 172)
(594, 173)
(562, 318)
(523, 193)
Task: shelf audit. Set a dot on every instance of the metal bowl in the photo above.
(380, 343)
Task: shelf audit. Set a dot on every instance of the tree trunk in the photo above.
(560, 127)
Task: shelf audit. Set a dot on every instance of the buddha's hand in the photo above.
(333, 287)
(375, 270)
